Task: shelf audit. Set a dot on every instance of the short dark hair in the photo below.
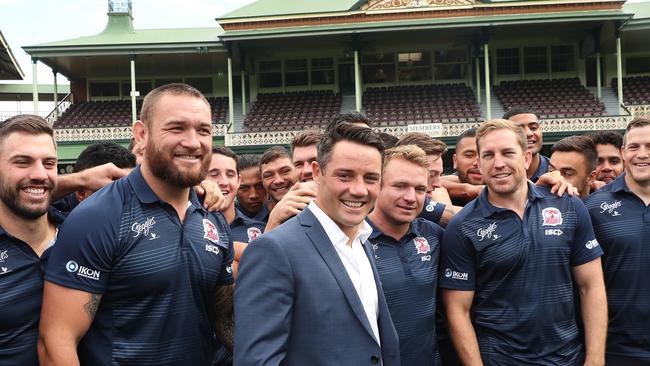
(425, 142)
(607, 138)
(637, 122)
(222, 150)
(274, 153)
(103, 152)
(26, 123)
(151, 99)
(389, 140)
(470, 132)
(348, 117)
(583, 145)
(306, 138)
(247, 161)
(519, 109)
(347, 132)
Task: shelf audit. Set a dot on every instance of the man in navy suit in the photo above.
(308, 292)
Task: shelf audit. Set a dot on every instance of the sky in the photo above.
(30, 22)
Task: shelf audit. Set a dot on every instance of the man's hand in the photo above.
(596, 185)
(213, 199)
(292, 203)
(91, 179)
(558, 184)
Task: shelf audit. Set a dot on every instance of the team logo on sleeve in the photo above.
(591, 244)
(210, 231)
(82, 271)
(430, 206)
(551, 217)
(422, 245)
(253, 233)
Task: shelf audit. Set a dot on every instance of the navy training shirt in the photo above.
(408, 270)
(544, 164)
(262, 215)
(521, 274)
(158, 275)
(245, 229)
(21, 294)
(432, 210)
(622, 224)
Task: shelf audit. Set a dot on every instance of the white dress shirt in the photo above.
(355, 261)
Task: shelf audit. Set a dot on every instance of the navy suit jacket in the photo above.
(296, 305)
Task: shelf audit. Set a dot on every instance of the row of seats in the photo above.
(636, 89)
(554, 98)
(391, 106)
(118, 113)
(293, 110)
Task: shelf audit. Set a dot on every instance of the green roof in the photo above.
(9, 68)
(640, 10)
(425, 23)
(267, 8)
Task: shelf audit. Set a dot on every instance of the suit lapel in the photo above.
(321, 241)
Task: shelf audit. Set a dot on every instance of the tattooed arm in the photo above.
(66, 315)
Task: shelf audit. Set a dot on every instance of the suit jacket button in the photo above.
(374, 360)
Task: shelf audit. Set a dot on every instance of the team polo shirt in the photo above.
(432, 210)
(157, 275)
(21, 293)
(521, 274)
(622, 225)
(245, 229)
(408, 270)
(544, 164)
(262, 215)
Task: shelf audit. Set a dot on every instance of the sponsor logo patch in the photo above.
(591, 244)
(212, 249)
(210, 231)
(422, 245)
(455, 275)
(74, 267)
(430, 206)
(556, 232)
(610, 208)
(551, 216)
(3, 256)
(253, 233)
(488, 232)
(144, 228)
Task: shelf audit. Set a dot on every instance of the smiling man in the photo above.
(407, 249)
(510, 261)
(610, 161)
(621, 215)
(308, 291)
(137, 264)
(575, 157)
(27, 231)
(278, 174)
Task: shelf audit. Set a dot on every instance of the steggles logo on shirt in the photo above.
(610, 208)
(3, 256)
(144, 228)
(488, 232)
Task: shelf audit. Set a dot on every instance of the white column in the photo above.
(478, 80)
(357, 81)
(134, 113)
(488, 96)
(231, 111)
(56, 96)
(619, 74)
(35, 85)
(243, 92)
(598, 81)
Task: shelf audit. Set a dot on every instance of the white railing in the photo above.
(59, 109)
(639, 110)
(109, 133)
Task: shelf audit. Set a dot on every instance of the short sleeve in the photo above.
(585, 245)
(457, 259)
(82, 257)
(432, 210)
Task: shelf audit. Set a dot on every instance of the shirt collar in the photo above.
(488, 209)
(333, 231)
(413, 230)
(146, 195)
(53, 215)
(541, 169)
(619, 184)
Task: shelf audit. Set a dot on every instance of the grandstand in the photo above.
(272, 68)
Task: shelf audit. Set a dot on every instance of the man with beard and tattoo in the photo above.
(27, 231)
(133, 276)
